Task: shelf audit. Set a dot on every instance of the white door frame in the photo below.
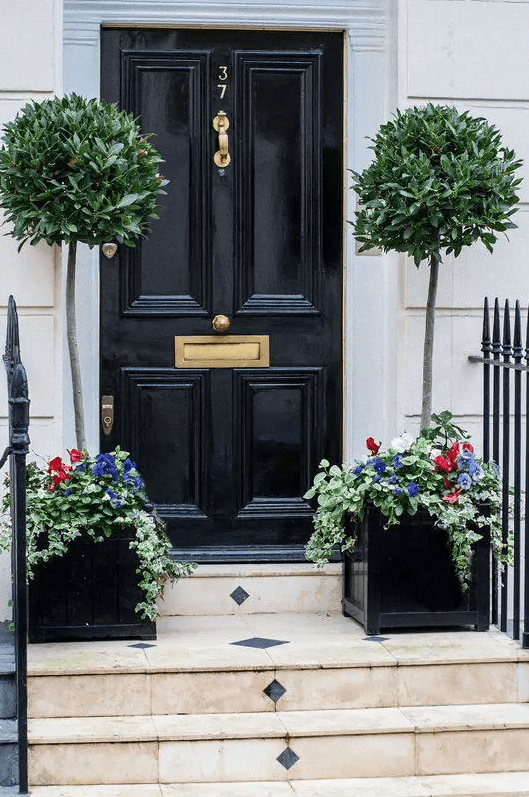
(370, 282)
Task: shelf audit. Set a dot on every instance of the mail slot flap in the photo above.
(228, 351)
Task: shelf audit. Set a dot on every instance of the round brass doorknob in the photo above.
(221, 323)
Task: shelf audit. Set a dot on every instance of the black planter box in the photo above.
(88, 594)
(404, 577)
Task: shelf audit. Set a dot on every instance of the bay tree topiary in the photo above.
(440, 180)
(74, 171)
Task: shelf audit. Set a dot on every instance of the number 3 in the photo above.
(223, 72)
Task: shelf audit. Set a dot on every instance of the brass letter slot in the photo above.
(228, 351)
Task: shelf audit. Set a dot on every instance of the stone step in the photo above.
(249, 589)
(504, 784)
(323, 661)
(8, 752)
(290, 745)
(7, 674)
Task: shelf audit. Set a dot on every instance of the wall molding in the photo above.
(366, 22)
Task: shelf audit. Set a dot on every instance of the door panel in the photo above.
(227, 453)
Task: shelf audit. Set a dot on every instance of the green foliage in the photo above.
(96, 496)
(440, 179)
(73, 169)
(437, 471)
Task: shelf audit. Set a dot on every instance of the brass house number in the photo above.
(222, 75)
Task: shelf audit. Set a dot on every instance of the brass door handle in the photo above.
(221, 323)
(221, 123)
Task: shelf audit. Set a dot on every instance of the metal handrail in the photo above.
(18, 408)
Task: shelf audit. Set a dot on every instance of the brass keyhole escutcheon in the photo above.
(221, 323)
(221, 123)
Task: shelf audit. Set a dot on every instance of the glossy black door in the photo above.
(228, 452)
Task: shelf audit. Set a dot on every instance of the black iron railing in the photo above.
(506, 441)
(18, 409)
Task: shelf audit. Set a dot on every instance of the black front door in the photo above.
(251, 229)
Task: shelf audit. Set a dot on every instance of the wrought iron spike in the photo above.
(496, 329)
(517, 342)
(485, 339)
(506, 343)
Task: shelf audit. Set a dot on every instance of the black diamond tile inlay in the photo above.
(142, 645)
(239, 595)
(260, 642)
(275, 690)
(287, 758)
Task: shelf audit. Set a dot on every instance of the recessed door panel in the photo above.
(279, 215)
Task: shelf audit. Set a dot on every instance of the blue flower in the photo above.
(397, 491)
(358, 470)
(80, 467)
(413, 489)
(376, 477)
(105, 465)
(397, 461)
(380, 466)
(393, 479)
(115, 500)
(67, 492)
(464, 481)
(467, 461)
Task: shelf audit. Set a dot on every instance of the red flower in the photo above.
(55, 464)
(372, 446)
(60, 472)
(453, 498)
(447, 484)
(468, 447)
(453, 452)
(443, 463)
(75, 455)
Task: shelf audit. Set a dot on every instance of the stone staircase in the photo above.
(258, 687)
(8, 710)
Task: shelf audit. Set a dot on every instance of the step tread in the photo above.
(294, 724)
(310, 641)
(8, 731)
(504, 784)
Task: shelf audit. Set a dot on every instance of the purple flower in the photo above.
(413, 489)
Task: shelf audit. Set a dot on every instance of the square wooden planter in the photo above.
(404, 577)
(88, 594)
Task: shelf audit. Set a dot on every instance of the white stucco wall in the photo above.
(31, 68)
(473, 55)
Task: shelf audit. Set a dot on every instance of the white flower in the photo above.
(401, 443)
